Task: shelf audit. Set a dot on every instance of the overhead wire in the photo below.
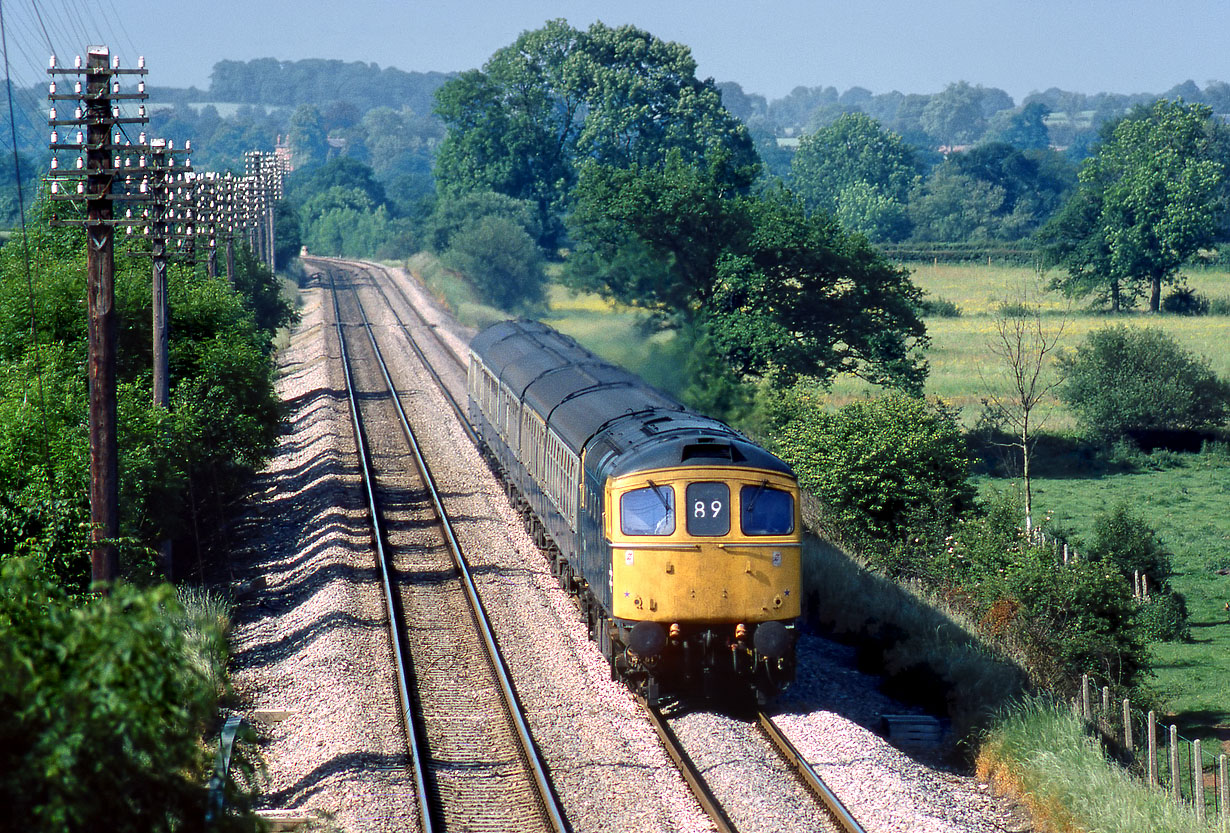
(25, 248)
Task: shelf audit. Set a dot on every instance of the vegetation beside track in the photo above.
(107, 704)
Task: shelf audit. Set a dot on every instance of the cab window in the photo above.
(766, 511)
(708, 509)
(647, 511)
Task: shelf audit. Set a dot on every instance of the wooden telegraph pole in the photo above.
(98, 114)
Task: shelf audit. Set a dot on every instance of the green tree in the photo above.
(557, 95)
(881, 467)
(453, 213)
(859, 171)
(990, 192)
(783, 293)
(500, 259)
(1148, 200)
(309, 146)
(1024, 129)
(955, 116)
(1122, 380)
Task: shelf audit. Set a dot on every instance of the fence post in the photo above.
(1065, 553)
(1144, 586)
(1136, 585)
(1127, 725)
(1223, 791)
(1176, 791)
(1086, 708)
(1198, 779)
(1106, 704)
(1151, 745)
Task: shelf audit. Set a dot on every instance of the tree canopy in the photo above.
(783, 292)
(558, 95)
(1153, 195)
(859, 171)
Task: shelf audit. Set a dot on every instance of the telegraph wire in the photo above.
(25, 249)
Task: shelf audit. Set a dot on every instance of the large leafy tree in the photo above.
(557, 95)
(859, 171)
(781, 291)
(1153, 195)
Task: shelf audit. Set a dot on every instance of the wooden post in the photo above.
(103, 325)
(1144, 586)
(1223, 790)
(1065, 553)
(1136, 585)
(158, 245)
(1106, 704)
(1198, 779)
(1176, 791)
(1151, 747)
(1086, 707)
(1127, 725)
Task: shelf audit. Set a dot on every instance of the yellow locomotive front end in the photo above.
(705, 572)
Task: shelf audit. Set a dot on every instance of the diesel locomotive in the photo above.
(679, 537)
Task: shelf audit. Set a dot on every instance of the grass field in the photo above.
(960, 364)
(1186, 501)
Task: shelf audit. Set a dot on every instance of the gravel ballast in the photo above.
(313, 641)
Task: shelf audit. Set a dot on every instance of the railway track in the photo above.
(476, 765)
(836, 816)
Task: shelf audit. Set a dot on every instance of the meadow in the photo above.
(1184, 497)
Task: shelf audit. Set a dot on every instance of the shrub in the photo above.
(881, 467)
(940, 307)
(1183, 301)
(1164, 618)
(500, 259)
(103, 707)
(1219, 306)
(1128, 542)
(1122, 379)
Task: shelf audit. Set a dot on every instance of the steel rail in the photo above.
(415, 743)
(688, 769)
(670, 741)
(548, 800)
(808, 774)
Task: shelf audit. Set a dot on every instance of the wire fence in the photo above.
(1160, 756)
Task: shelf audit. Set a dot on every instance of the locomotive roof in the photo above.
(624, 424)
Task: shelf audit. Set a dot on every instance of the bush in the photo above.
(1164, 618)
(1129, 543)
(1219, 306)
(881, 467)
(103, 708)
(500, 259)
(940, 307)
(1183, 301)
(1122, 379)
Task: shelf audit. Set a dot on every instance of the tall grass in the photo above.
(1043, 755)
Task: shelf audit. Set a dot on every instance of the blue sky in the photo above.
(769, 46)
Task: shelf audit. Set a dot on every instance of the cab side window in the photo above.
(647, 511)
(708, 509)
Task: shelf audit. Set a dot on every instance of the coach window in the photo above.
(648, 511)
(708, 509)
(766, 511)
